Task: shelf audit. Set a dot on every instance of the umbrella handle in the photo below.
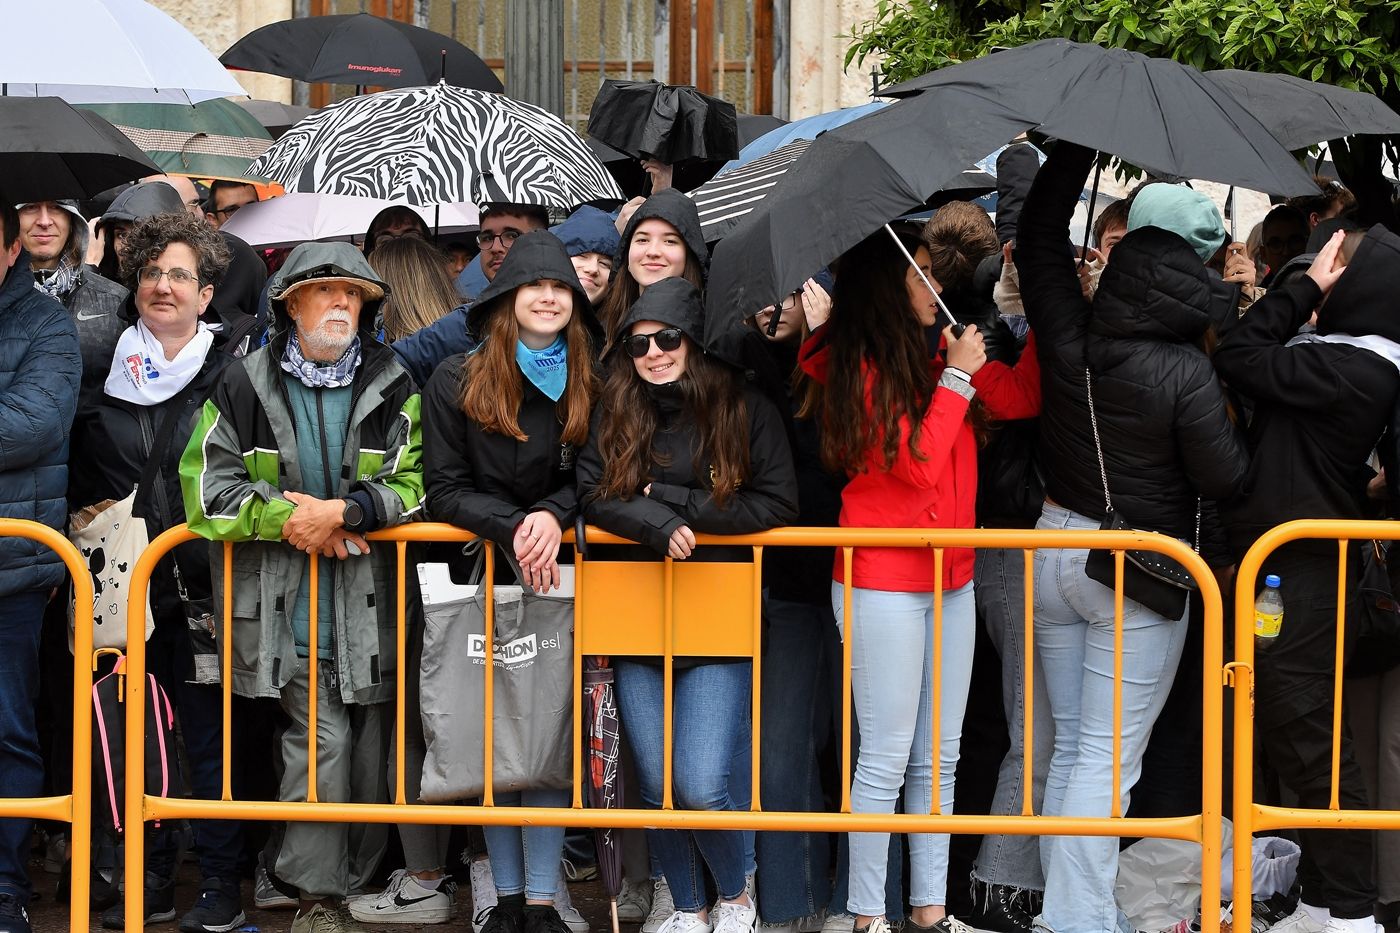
(957, 327)
(580, 541)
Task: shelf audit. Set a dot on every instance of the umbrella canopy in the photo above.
(852, 180)
(275, 116)
(439, 145)
(731, 196)
(107, 51)
(49, 151)
(1303, 113)
(806, 128)
(1152, 112)
(754, 126)
(360, 49)
(669, 123)
(214, 139)
(299, 217)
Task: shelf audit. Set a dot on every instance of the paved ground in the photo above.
(47, 916)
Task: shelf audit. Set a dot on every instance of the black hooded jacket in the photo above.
(1167, 438)
(677, 210)
(487, 482)
(1319, 408)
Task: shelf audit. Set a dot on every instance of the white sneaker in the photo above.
(403, 901)
(1359, 925)
(662, 907)
(1298, 922)
(734, 918)
(564, 906)
(634, 900)
(750, 888)
(265, 894)
(878, 925)
(838, 921)
(483, 893)
(683, 921)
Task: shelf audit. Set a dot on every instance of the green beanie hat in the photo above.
(1187, 213)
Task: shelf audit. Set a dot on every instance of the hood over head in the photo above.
(1187, 213)
(336, 262)
(1155, 287)
(588, 230)
(76, 247)
(1362, 303)
(240, 289)
(673, 302)
(1324, 230)
(372, 235)
(138, 202)
(677, 210)
(534, 256)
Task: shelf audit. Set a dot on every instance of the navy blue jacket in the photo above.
(40, 368)
(422, 351)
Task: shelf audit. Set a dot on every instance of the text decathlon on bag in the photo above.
(520, 651)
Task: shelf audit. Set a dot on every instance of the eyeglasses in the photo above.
(484, 239)
(639, 345)
(150, 276)
(224, 213)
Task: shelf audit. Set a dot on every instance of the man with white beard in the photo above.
(309, 443)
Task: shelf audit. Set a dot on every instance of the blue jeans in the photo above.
(21, 768)
(1074, 638)
(710, 712)
(1013, 861)
(526, 858)
(893, 651)
(797, 716)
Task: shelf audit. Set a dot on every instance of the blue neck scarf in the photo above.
(548, 369)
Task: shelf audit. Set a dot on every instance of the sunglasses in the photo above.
(639, 345)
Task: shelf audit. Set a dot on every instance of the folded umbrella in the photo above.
(360, 49)
(213, 139)
(603, 738)
(672, 124)
(852, 180)
(1152, 112)
(50, 150)
(1302, 113)
(439, 145)
(299, 217)
(107, 51)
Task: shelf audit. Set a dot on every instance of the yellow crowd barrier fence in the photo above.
(668, 609)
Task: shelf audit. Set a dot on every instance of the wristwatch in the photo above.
(354, 515)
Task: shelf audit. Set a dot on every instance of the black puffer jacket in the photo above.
(1166, 436)
(1319, 408)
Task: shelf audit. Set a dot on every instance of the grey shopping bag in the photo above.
(533, 688)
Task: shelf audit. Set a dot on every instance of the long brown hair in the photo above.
(493, 386)
(712, 394)
(623, 290)
(421, 289)
(874, 334)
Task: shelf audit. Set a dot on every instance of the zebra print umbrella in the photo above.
(439, 145)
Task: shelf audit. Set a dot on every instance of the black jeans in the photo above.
(1293, 716)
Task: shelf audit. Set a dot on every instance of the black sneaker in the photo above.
(542, 918)
(999, 908)
(218, 910)
(159, 904)
(13, 917)
(508, 916)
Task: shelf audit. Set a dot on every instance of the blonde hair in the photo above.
(421, 287)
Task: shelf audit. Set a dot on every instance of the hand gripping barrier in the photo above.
(665, 608)
(1249, 816)
(75, 807)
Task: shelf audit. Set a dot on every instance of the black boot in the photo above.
(1000, 908)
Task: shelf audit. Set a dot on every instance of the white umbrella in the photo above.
(298, 217)
(107, 51)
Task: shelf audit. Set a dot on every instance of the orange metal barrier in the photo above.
(610, 602)
(74, 808)
(1249, 816)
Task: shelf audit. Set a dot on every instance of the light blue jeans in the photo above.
(1074, 639)
(892, 683)
(526, 858)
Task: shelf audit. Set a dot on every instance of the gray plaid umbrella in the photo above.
(438, 145)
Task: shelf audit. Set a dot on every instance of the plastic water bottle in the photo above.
(1268, 614)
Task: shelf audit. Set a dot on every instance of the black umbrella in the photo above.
(275, 116)
(1303, 113)
(849, 182)
(754, 125)
(1153, 112)
(668, 123)
(360, 49)
(50, 150)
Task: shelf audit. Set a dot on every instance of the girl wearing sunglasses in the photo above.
(661, 240)
(679, 447)
(501, 425)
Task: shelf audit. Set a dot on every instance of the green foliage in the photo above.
(1349, 43)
